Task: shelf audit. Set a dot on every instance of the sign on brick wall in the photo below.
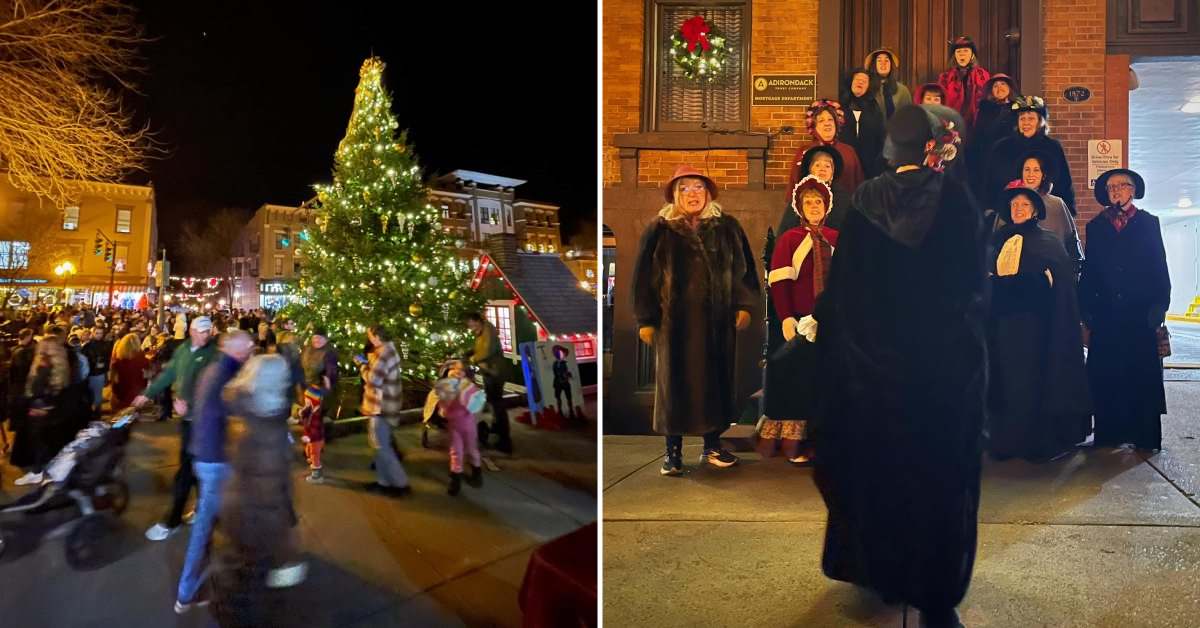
(784, 90)
(1103, 155)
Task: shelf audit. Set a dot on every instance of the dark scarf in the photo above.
(1119, 217)
(822, 253)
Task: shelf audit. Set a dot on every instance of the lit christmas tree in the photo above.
(378, 253)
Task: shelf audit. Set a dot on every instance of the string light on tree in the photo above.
(379, 253)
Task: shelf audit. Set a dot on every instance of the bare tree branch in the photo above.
(59, 120)
(205, 244)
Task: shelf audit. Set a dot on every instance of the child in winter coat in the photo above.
(459, 401)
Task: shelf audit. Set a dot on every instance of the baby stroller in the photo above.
(88, 473)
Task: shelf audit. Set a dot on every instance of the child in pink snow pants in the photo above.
(458, 402)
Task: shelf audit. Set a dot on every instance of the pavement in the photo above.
(424, 560)
(1101, 538)
(1185, 344)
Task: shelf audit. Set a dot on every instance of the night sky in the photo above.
(252, 98)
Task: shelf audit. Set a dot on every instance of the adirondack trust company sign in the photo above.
(787, 90)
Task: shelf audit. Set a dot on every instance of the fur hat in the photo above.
(821, 149)
(1101, 191)
(811, 182)
(1005, 209)
(687, 171)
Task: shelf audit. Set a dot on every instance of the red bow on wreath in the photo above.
(695, 31)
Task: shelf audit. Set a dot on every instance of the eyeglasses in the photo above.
(1117, 187)
(694, 188)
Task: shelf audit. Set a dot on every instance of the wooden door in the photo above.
(919, 32)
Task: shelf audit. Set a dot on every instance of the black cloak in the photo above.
(1124, 293)
(902, 353)
(994, 121)
(1004, 165)
(865, 133)
(689, 285)
(1038, 403)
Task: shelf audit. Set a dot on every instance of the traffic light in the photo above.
(108, 254)
(99, 246)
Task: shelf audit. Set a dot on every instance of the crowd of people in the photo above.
(61, 365)
(928, 299)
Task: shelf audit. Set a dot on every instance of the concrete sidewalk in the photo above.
(1100, 538)
(427, 560)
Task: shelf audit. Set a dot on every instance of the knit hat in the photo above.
(811, 182)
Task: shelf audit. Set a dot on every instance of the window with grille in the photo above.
(681, 104)
(500, 316)
(14, 254)
(124, 219)
(121, 258)
(70, 218)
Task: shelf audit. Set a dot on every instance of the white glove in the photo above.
(807, 327)
(789, 328)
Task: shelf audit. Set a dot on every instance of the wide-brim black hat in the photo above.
(1101, 191)
(1005, 209)
(811, 153)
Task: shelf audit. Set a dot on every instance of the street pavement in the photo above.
(424, 560)
(1104, 538)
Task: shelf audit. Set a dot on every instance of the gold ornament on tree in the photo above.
(383, 218)
(415, 310)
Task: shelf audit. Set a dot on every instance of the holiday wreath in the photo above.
(699, 49)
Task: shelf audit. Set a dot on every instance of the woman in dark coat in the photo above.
(1038, 404)
(1124, 293)
(257, 515)
(994, 120)
(902, 352)
(825, 163)
(863, 130)
(890, 93)
(1030, 134)
(823, 120)
(694, 284)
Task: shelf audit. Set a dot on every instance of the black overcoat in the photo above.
(865, 134)
(1038, 402)
(994, 121)
(689, 285)
(902, 352)
(1124, 293)
(1005, 159)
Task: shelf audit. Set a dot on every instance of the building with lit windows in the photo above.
(105, 236)
(475, 205)
(265, 263)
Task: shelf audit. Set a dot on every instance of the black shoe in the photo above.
(475, 480)
(942, 618)
(672, 462)
(504, 446)
(455, 484)
(718, 458)
(390, 491)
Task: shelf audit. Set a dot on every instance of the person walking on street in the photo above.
(207, 447)
(180, 376)
(488, 357)
(381, 405)
(98, 351)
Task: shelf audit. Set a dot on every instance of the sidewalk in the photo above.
(428, 559)
(1096, 539)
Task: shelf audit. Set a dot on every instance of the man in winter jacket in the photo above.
(209, 462)
(180, 375)
(98, 351)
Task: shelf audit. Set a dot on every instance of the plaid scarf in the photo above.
(1120, 217)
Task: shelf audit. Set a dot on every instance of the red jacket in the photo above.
(967, 103)
(791, 273)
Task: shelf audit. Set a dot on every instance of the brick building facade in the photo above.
(1049, 45)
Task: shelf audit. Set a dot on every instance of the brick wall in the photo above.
(623, 32)
(783, 40)
(1074, 54)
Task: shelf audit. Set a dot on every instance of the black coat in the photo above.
(903, 365)
(689, 285)
(994, 121)
(1124, 293)
(789, 382)
(1004, 164)
(1038, 402)
(866, 136)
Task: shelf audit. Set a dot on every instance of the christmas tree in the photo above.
(378, 253)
